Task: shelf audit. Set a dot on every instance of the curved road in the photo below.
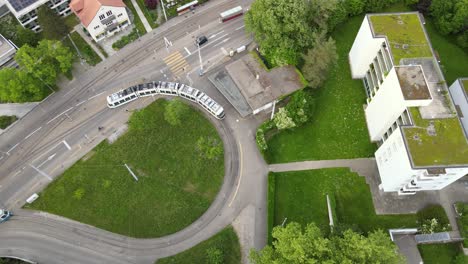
(63, 128)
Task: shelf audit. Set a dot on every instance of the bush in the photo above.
(214, 255)
(125, 40)
(433, 219)
(260, 135)
(300, 107)
(209, 147)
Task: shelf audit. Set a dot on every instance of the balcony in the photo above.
(108, 20)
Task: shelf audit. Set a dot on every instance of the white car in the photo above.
(4, 215)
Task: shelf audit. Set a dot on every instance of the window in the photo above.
(96, 27)
(119, 15)
(101, 17)
(108, 13)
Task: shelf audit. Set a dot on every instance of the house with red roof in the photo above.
(101, 18)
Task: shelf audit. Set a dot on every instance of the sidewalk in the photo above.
(142, 16)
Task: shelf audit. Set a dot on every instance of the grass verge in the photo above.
(442, 254)
(86, 51)
(338, 128)
(301, 197)
(151, 15)
(136, 19)
(176, 184)
(6, 121)
(225, 241)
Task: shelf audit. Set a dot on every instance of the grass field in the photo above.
(338, 128)
(86, 51)
(5, 121)
(301, 197)
(226, 241)
(442, 254)
(176, 185)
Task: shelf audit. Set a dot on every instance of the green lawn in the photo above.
(442, 254)
(226, 241)
(5, 121)
(86, 51)
(176, 185)
(151, 15)
(136, 19)
(301, 197)
(338, 128)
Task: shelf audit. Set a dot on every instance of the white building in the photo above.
(101, 18)
(459, 92)
(409, 112)
(7, 52)
(26, 10)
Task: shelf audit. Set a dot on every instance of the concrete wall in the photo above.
(460, 99)
(95, 27)
(364, 50)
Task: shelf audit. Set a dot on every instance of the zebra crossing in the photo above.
(177, 63)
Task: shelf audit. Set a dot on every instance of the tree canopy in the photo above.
(53, 26)
(294, 245)
(18, 86)
(451, 16)
(319, 60)
(46, 61)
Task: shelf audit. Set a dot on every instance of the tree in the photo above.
(281, 28)
(26, 36)
(46, 61)
(174, 111)
(451, 16)
(294, 245)
(320, 13)
(19, 86)
(319, 59)
(283, 120)
(209, 147)
(151, 4)
(53, 26)
(355, 7)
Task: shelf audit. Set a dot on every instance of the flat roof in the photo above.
(435, 142)
(404, 32)
(412, 83)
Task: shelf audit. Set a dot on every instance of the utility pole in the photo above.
(164, 9)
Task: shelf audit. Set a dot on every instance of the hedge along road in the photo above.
(52, 239)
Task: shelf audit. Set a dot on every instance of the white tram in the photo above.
(166, 88)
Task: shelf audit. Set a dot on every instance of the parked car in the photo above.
(4, 215)
(201, 40)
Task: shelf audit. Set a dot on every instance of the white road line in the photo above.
(241, 27)
(240, 174)
(215, 34)
(80, 103)
(216, 39)
(12, 148)
(32, 133)
(222, 42)
(60, 115)
(188, 51)
(48, 159)
(94, 96)
(66, 145)
(41, 172)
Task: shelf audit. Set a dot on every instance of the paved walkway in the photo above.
(142, 16)
(79, 29)
(18, 110)
(409, 248)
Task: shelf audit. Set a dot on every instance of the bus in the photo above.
(187, 7)
(231, 14)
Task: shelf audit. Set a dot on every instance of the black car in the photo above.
(201, 40)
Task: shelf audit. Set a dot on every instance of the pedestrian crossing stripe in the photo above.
(177, 63)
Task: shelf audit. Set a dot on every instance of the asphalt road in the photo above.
(64, 128)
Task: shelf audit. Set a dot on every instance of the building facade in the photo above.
(7, 53)
(25, 11)
(459, 92)
(409, 112)
(101, 18)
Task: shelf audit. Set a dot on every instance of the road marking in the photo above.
(240, 174)
(219, 38)
(41, 172)
(214, 35)
(241, 27)
(94, 96)
(66, 145)
(60, 115)
(224, 41)
(12, 148)
(80, 103)
(177, 63)
(32, 133)
(188, 51)
(48, 159)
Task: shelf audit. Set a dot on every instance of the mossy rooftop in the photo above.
(436, 142)
(405, 35)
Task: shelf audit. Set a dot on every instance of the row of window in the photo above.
(101, 17)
